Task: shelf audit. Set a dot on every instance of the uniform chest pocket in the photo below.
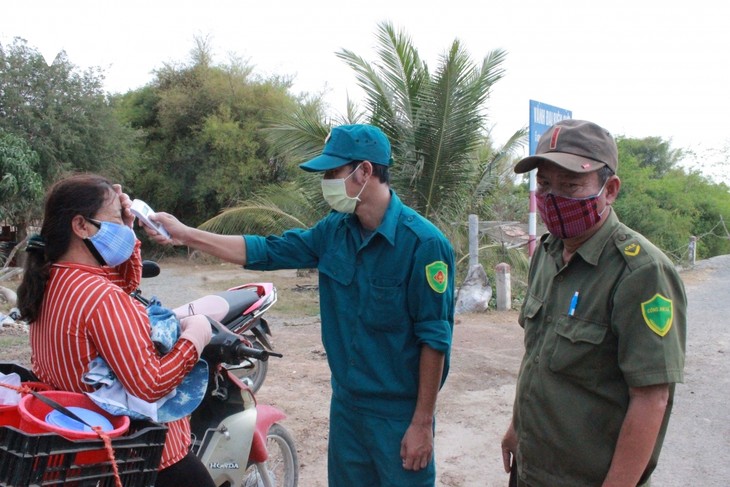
(337, 268)
(386, 309)
(577, 347)
(530, 309)
(528, 319)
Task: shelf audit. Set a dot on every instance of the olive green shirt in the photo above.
(626, 328)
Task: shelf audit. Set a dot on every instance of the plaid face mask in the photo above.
(569, 217)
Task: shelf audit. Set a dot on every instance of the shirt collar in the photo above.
(388, 225)
(101, 271)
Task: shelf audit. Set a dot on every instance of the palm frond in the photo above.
(402, 70)
(451, 130)
(272, 211)
(300, 135)
(257, 218)
(496, 167)
(354, 114)
(492, 70)
(378, 98)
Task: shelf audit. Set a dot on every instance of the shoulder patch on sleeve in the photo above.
(658, 314)
(633, 250)
(437, 276)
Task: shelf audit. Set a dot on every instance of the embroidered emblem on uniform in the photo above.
(437, 274)
(658, 314)
(632, 250)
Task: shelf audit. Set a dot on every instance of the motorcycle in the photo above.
(236, 438)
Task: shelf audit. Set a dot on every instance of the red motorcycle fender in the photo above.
(265, 417)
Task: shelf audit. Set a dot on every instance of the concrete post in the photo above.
(692, 250)
(473, 240)
(504, 287)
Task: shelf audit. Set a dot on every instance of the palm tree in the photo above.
(435, 122)
(436, 125)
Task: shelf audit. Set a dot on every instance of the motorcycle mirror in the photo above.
(150, 268)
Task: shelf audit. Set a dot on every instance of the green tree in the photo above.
(203, 149)
(21, 189)
(296, 202)
(667, 204)
(652, 152)
(62, 113)
(436, 122)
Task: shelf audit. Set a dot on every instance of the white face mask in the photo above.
(334, 192)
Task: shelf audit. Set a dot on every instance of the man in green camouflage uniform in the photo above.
(605, 328)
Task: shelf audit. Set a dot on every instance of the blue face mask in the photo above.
(113, 244)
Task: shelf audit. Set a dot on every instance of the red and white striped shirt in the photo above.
(87, 312)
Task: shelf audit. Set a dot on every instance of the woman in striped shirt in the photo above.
(75, 295)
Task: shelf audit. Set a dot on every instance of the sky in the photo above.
(637, 68)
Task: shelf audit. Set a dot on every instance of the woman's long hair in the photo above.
(81, 194)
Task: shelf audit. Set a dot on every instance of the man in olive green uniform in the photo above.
(605, 328)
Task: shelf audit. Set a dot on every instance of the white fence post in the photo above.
(473, 240)
(504, 287)
(692, 250)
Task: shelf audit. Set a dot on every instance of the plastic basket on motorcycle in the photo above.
(49, 459)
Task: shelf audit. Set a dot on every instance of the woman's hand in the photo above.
(125, 200)
(197, 330)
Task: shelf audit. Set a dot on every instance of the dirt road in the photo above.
(697, 446)
(475, 404)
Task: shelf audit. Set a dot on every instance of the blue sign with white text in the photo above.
(542, 117)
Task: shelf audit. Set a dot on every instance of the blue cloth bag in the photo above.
(111, 396)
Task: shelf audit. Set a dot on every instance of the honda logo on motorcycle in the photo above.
(225, 466)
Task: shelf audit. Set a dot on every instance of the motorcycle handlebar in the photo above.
(234, 351)
(243, 352)
(228, 347)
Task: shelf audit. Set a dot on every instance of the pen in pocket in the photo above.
(573, 304)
